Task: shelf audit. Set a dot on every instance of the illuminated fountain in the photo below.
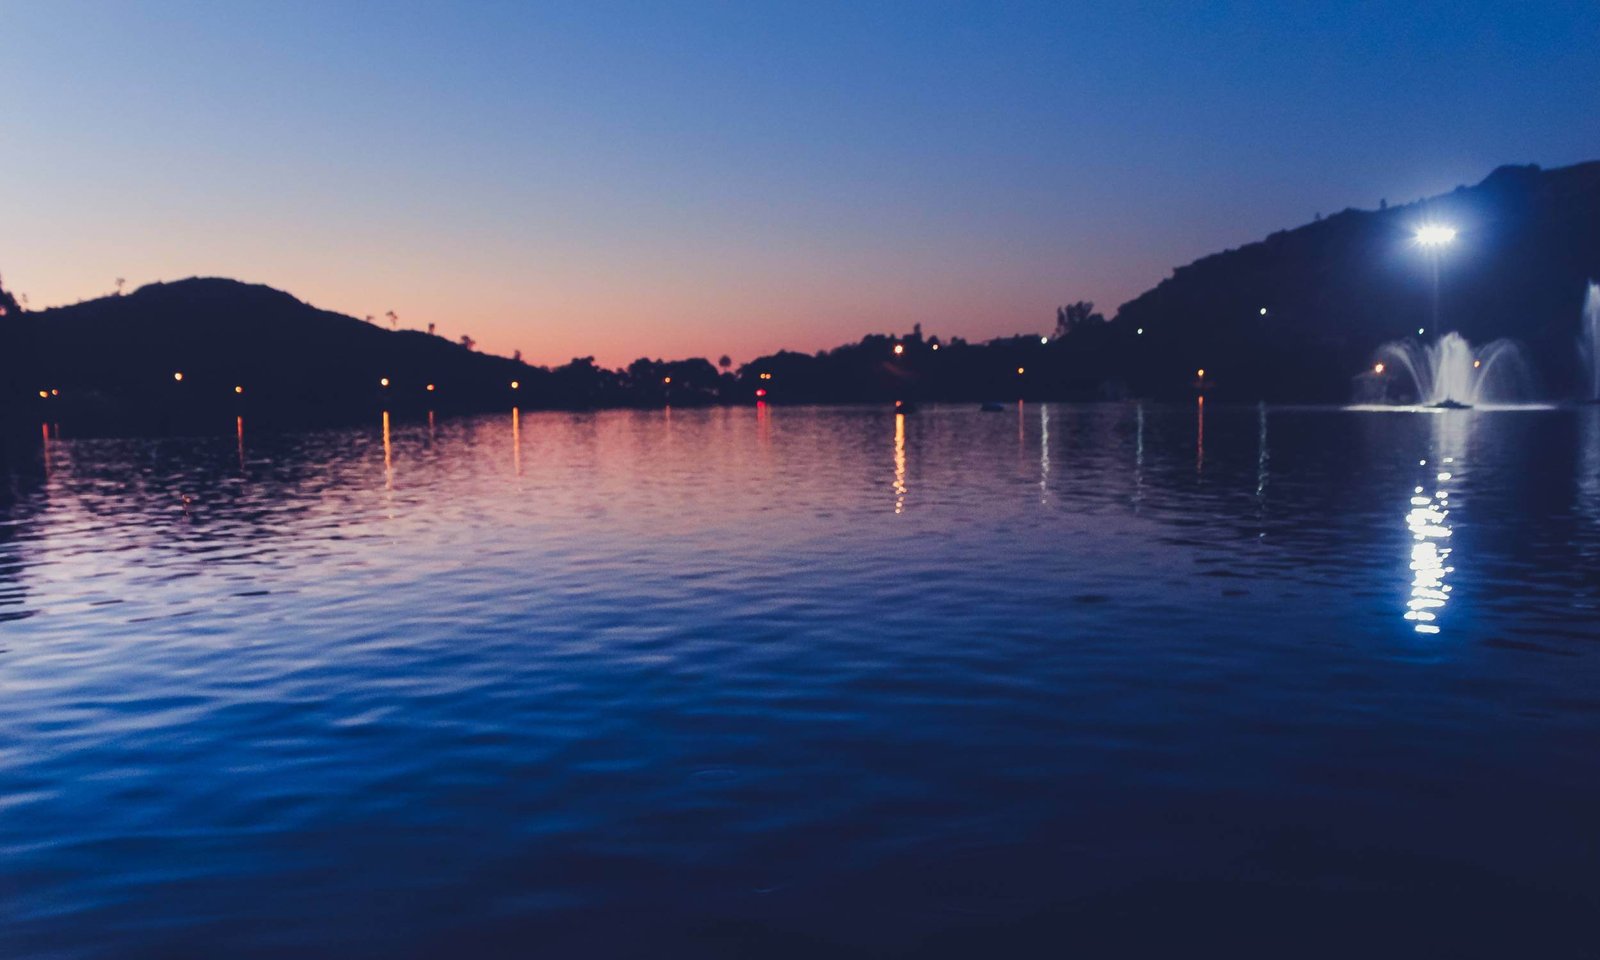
(1450, 372)
(1589, 342)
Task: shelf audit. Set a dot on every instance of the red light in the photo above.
(761, 391)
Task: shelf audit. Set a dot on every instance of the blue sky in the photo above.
(694, 179)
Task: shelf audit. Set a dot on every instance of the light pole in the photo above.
(1433, 238)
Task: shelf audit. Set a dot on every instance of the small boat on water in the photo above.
(1452, 405)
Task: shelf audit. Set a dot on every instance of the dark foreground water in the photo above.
(1093, 681)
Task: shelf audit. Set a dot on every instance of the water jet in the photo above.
(1451, 374)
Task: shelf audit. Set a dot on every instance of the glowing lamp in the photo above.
(1201, 373)
(936, 346)
(761, 391)
(1377, 368)
(899, 348)
(178, 376)
(1043, 341)
(1263, 311)
(1021, 371)
(430, 388)
(1139, 331)
(383, 381)
(1476, 364)
(666, 379)
(54, 392)
(1435, 235)
(44, 394)
(516, 385)
(238, 389)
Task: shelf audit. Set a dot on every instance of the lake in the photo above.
(1124, 679)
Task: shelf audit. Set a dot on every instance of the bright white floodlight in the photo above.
(1435, 236)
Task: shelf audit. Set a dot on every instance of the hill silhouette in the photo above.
(1336, 288)
(1296, 316)
(115, 359)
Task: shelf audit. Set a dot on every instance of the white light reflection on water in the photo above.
(1138, 456)
(1044, 452)
(1429, 522)
(1262, 458)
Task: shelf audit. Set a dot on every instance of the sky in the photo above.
(693, 179)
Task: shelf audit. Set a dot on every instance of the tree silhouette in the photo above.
(468, 342)
(1075, 315)
(120, 282)
(8, 304)
(430, 329)
(394, 320)
(724, 361)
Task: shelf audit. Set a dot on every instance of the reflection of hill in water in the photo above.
(22, 482)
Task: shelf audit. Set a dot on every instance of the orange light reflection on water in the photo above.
(899, 462)
(388, 455)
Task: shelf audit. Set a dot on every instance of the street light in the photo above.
(1434, 237)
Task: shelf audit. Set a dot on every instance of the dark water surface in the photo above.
(1117, 680)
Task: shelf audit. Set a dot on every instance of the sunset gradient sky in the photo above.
(680, 179)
